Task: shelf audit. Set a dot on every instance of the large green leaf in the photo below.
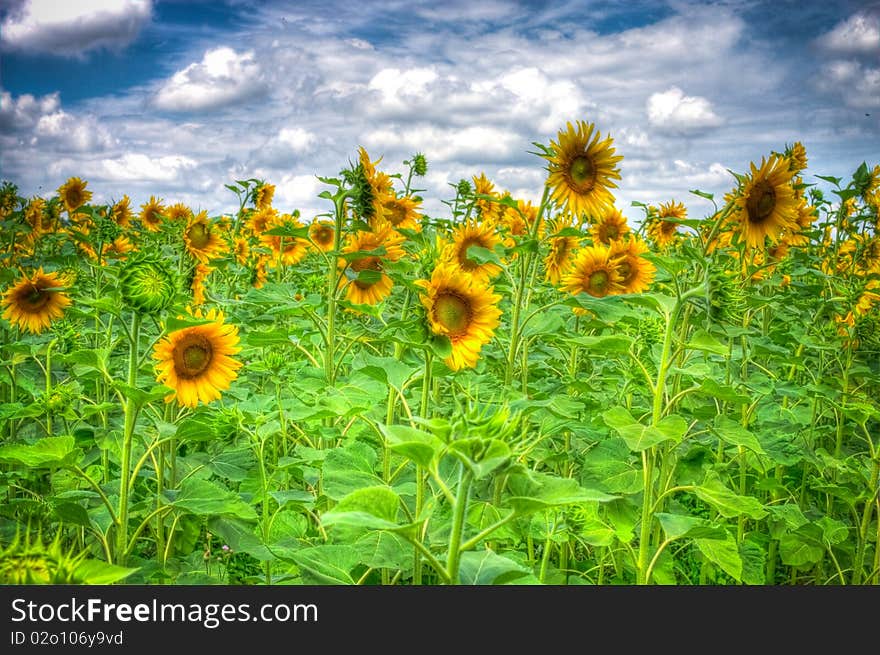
(417, 445)
(488, 568)
(96, 572)
(349, 468)
(640, 437)
(373, 508)
(702, 340)
(327, 564)
(728, 503)
(684, 526)
(541, 491)
(724, 553)
(204, 498)
(607, 467)
(732, 432)
(799, 550)
(49, 452)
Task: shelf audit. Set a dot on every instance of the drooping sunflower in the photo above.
(323, 235)
(121, 212)
(594, 272)
(466, 236)
(33, 302)
(264, 196)
(373, 187)
(74, 194)
(767, 204)
(611, 226)
(196, 361)
(178, 212)
(118, 248)
(200, 274)
(260, 273)
(370, 289)
(151, 214)
(241, 250)
(663, 232)
(200, 239)
(581, 170)
(797, 157)
(401, 212)
(462, 308)
(559, 258)
(636, 272)
(33, 215)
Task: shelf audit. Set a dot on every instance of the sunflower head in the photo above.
(196, 362)
(594, 272)
(147, 283)
(419, 164)
(74, 194)
(201, 239)
(121, 212)
(611, 226)
(470, 235)
(463, 309)
(28, 560)
(664, 232)
(323, 235)
(581, 168)
(34, 301)
(401, 212)
(263, 195)
(152, 213)
(636, 272)
(767, 203)
(365, 279)
(178, 212)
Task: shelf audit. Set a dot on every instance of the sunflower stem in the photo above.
(127, 438)
(453, 558)
(49, 388)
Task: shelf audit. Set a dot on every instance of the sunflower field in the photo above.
(510, 393)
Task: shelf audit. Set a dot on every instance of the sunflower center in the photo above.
(366, 264)
(453, 312)
(192, 355)
(34, 299)
(626, 271)
(323, 234)
(199, 235)
(761, 202)
(396, 213)
(597, 283)
(464, 261)
(582, 173)
(74, 198)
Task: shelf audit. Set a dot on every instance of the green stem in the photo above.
(131, 410)
(458, 519)
(49, 388)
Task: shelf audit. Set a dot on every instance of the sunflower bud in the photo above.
(464, 187)
(147, 284)
(420, 164)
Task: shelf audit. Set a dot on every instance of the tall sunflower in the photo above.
(636, 272)
(286, 250)
(462, 308)
(487, 209)
(200, 239)
(466, 236)
(151, 214)
(196, 361)
(664, 232)
(262, 220)
(33, 302)
(241, 250)
(611, 226)
(767, 204)
(74, 194)
(264, 195)
(370, 289)
(581, 170)
(594, 272)
(121, 212)
(178, 212)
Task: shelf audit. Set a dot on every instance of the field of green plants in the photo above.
(508, 393)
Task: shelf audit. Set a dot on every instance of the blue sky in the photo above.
(176, 99)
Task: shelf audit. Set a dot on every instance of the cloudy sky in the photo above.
(176, 99)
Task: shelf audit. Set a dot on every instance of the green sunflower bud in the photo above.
(727, 298)
(420, 164)
(147, 284)
(464, 188)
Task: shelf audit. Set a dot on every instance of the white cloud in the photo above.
(24, 112)
(73, 28)
(858, 86)
(673, 111)
(440, 144)
(298, 139)
(398, 88)
(223, 77)
(139, 167)
(858, 34)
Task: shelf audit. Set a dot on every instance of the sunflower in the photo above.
(264, 195)
(558, 260)
(178, 212)
(767, 204)
(200, 274)
(262, 220)
(378, 185)
(241, 250)
(286, 251)
(121, 212)
(594, 272)
(581, 169)
(472, 234)
(34, 302)
(74, 194)
(200, 239)
(611, 226)
(797, 157)
(487, 210)
(370, 289)
(151, 214)
(662, 232)
(260, 273)
(462, 308)
(636, 272)
(33, 214)
(323, 235)
(401, 212)
(195, 361)
(118, 248)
